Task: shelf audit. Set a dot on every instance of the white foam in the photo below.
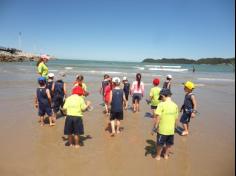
(140, 68)
(168, 69)
(163, 66)
(216, 79)
(53, 70)
(68, 68)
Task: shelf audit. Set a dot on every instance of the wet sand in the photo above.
(28, 149)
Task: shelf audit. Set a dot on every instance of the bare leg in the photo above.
(159, 149)
(137, 106)
(134, 107)
(70, 140)
(185, 132)
(113, 127)
(76, 141)
(41, 119)
(50, 121)
(117, 126)
(167, 151)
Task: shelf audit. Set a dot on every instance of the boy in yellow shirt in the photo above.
(75, 106)
(166, 116)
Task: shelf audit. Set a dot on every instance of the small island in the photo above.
(212, 61)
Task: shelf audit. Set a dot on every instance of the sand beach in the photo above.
(28, 149)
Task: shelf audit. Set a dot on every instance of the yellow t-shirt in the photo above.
(75, 105)
(155, 93)
(168, 113)
(43, 70)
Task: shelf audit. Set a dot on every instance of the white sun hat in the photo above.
(116, 80)
(51, 75)
(169, 76)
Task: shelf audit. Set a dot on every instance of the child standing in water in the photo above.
(155, 94)
(166, 116)
(74, 107)
(167, 83)
(126, 90)
(107, 94)
(117, 99)
(189, 107)
(137, 91)
(43, 101)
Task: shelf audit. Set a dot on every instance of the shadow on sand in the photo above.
(81, 140)
(150, 149)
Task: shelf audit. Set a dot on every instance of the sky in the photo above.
(120, 30)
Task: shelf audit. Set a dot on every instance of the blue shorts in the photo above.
(137, 96)
(74, 125)
(117, 115)
(57, 103)
(43, 109)
(165, 140)
(185, 118)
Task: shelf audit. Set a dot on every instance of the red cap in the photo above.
(156, 81)
(78, 90)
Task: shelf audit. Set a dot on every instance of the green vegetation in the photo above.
(213, 61)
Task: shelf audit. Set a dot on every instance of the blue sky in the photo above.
(128, 30)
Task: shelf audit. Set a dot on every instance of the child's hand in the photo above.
(193, 115)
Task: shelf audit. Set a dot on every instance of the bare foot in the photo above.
(166, 157)
(158, 158)
(118, 131)
(184, 133)
(52, 124)
(77, 146)
(42, 124)
(112, 134)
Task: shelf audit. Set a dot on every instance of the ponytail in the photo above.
(138, 79)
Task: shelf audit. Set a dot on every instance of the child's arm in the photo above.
(64, 89)
(49, 96)
(194, 106)
(36, 102)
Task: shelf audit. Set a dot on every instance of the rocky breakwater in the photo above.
(6, 56)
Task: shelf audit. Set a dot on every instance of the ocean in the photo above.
(96, 69)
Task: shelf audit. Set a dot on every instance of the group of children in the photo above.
(51, 97)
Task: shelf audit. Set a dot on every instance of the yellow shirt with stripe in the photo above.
(75, 105)
(155, 93)
(168, 113)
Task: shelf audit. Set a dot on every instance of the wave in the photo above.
(139, 68)
(68, 68)
(168, 69)
(216, 79)
(164, 66)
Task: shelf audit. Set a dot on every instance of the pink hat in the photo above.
(44, 56)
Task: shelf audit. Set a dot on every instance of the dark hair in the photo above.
(39, 61)
(80, 78)
(42, 83)
(138, 78)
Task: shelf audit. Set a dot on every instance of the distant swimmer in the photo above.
(194, 69)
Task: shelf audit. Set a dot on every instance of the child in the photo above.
(104, 84)
(166, 116)
(74, 106)
(154, 95)
(59, 94)
(50, 83)
(107, 94)
(167, 83)
(137, 91)
(189, 107)
(126, 90)
(117, 99)
(80, 82)
(43, 101)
